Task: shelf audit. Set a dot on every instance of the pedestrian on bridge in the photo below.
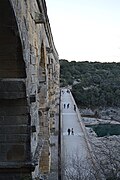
(68, 91)
(68, 105)
(74, 107)
(72, 131)
(68, 131)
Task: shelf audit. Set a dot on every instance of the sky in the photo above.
(86, 30)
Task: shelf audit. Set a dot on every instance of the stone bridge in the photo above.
(29, 89)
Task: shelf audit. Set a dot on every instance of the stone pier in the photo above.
(29, 89)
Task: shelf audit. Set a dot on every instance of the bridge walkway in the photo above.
(75, 149)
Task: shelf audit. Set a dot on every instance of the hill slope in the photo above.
(94, 84)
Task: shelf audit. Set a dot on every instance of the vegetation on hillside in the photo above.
(94, 84)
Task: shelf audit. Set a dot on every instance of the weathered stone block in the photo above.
(12, 95)
(12, 89)
(15, 176)
(14, 120)
(12, 86)
(39, 18)
(14, 129)
(14, 138)
(13, 152)
(12, 102)
(16, 153)
(9, 111)
(11, 74)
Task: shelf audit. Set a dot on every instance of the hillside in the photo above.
(94, 84)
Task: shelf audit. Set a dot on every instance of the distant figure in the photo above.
(64, 106)
(74, 107)
(68, 131)
(68, 91)
(72, 131)
(68, 105)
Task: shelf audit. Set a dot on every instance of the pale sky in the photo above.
(86, 30)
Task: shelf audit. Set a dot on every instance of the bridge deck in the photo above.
(73, 147)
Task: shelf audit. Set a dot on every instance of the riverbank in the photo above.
(107, 148)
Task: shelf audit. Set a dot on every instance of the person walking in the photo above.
(68, 131)
(64, 106)
(68, 105)
(74, 107)
(72, 131)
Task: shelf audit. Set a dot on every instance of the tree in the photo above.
(107, 155)
(78, 169)
(101, 79)
(106, 166)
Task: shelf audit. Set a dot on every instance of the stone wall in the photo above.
(29, 89)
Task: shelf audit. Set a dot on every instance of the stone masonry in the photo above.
(29, 90)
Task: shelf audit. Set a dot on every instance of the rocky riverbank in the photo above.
(106, 149)
(111, 114)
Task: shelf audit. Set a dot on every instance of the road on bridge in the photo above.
(74, 150)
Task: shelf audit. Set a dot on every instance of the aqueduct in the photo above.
(29, 89)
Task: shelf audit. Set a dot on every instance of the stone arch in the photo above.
(11, 57)
(14, 112)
